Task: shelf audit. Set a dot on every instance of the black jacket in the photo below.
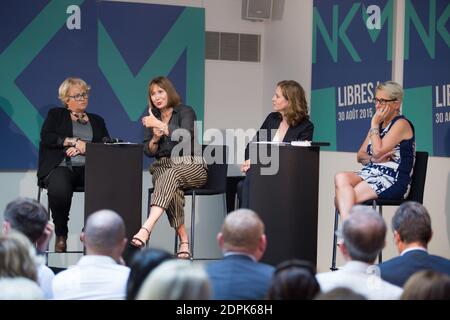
(302, 131)
(58, 126)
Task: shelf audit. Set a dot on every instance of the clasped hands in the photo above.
(77, 149)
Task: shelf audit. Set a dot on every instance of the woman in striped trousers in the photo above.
(169, 137)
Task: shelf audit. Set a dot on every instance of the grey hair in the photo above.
(393, 89)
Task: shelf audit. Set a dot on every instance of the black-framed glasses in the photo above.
(80, 96)
(382, 102)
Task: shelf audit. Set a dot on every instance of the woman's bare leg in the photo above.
(184, 242)
(364, 192)
(144, 233)
(345, 183)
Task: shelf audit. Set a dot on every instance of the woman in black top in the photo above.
(169, 136)
(289, 122)
(62, 151)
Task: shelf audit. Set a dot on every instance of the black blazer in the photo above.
(302, 131)
(58, 126)
(398, 270)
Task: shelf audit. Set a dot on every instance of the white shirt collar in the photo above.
(413, 248)
(235, 253)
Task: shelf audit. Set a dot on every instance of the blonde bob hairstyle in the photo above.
(63, 91)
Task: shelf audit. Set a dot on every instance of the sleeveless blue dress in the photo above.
(392, 179)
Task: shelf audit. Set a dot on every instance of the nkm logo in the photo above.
(373, 19)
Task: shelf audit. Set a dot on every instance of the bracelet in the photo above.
(373, 131)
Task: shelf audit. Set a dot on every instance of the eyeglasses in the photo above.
(79, 97)
(382, 102)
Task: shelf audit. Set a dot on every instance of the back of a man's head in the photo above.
(242, 231)
(27, 216)
(413, 223)
(364, 233)
(104, 231)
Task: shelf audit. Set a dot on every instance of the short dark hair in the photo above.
(294, 280)
(27, 216)
(142, 263)
(412, 222)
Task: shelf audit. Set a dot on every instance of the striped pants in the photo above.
(170, 177)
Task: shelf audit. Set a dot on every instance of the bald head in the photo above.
(364, 233)
(104, 231)
(242, 229)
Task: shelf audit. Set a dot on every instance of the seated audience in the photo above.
(363, 233)
(294, 280)
(239, 275)
(17, 268)
(19, 288)
(142, 263)
(176, 280)
(387, 155)
(31, 219)
(99, 274)
(411, 225)
(427, 285)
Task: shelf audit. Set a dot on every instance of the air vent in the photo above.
(232, 46)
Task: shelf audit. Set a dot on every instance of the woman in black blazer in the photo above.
(289, 122)
(62, 149)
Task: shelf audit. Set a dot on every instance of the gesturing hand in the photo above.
(151, 121)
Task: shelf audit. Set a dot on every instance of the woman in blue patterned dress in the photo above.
(387, 153)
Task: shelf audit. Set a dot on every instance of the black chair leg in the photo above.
(336, 222)
(380, 256)
(192, 225)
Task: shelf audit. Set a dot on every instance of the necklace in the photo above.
(79, 116)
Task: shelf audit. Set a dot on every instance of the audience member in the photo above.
(17, 257)
(427, 285)
(62, 151)
(176, 280)
(98, 274)
(142, 263)
(294, 280)
(363, 233)
(239, 275)
(411, 225)
(30, 218)
(340, 293)
(387, 155)
(19, 288)
(18, 268)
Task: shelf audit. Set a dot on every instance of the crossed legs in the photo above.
(349, 190)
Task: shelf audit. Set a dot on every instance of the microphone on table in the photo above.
(111, 140)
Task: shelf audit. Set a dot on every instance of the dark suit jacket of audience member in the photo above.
(398, 270)
(57, 126)
(238, 277)
(302, 131)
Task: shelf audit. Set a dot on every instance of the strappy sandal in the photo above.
(140, 243)
(185, 255)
